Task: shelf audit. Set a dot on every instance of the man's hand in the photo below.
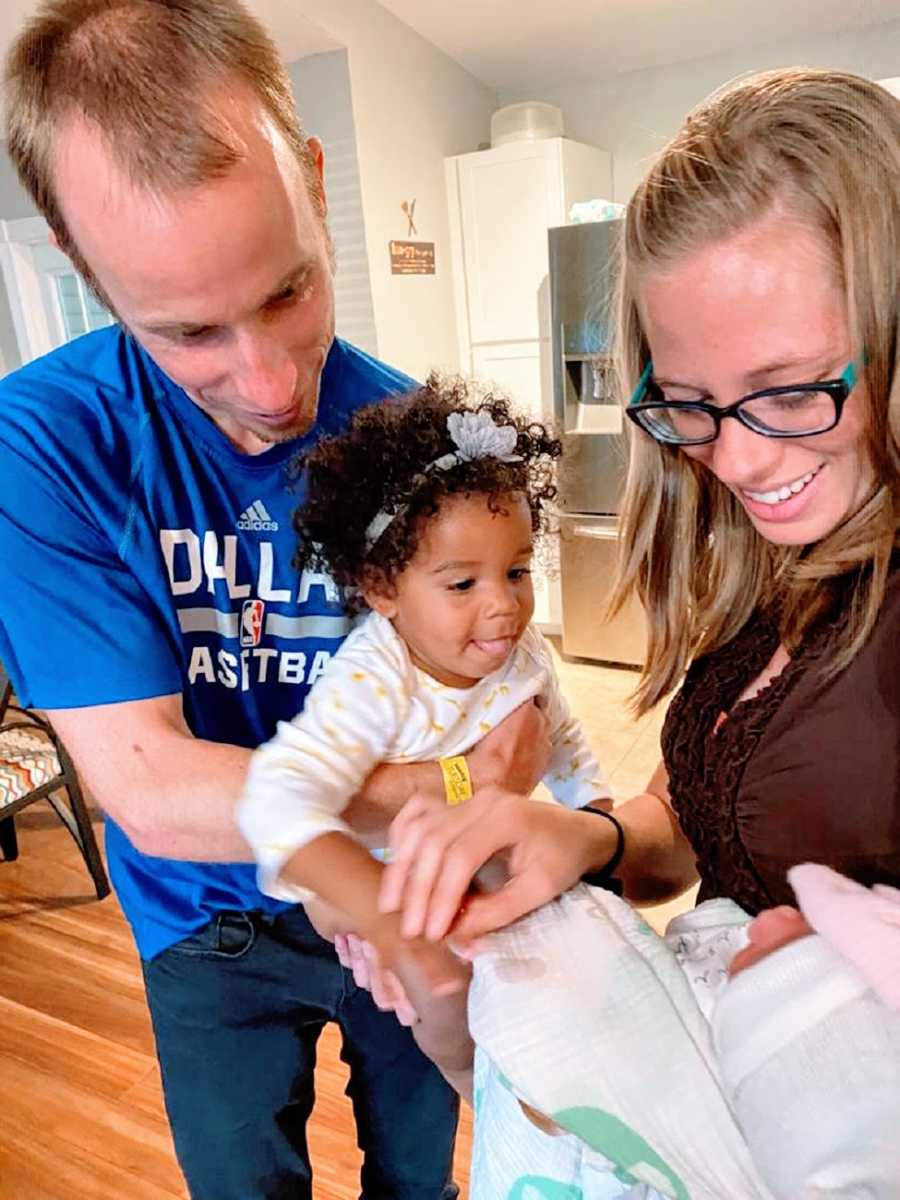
(423, 968)
(515, 755)
(388, 993)
(362, 959)
(436, 854)
(328, 922)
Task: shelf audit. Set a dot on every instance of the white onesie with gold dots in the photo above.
(372, 705)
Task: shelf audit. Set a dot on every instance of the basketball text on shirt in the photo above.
(251, 603)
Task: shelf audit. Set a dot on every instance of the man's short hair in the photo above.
(151, 76)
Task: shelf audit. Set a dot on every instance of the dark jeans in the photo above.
(237, 1009)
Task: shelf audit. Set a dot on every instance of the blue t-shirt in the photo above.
(142, 555)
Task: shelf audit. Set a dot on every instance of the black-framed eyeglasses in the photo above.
(797, 410)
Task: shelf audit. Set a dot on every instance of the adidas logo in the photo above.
(256, 519)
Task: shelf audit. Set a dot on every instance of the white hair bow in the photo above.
(475, 435)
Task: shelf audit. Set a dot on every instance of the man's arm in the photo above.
(172, 793)
(175, 795)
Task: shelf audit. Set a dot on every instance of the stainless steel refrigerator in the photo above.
(592, 479)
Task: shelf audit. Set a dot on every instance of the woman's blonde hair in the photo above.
(824, 147)
(151, 75)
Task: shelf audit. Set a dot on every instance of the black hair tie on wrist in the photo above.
(604, 877)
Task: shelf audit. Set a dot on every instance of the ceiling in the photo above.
(512, 45)
(516, 44)
(295, 36)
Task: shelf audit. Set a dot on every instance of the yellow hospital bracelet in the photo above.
(457, 780)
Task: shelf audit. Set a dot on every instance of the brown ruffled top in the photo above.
(803, 771)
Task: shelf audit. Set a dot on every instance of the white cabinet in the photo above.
(516, 368)
(505, 200)
(502, 202)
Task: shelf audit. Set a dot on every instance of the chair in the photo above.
(34, 765)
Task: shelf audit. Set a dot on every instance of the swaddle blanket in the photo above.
(585, 1013)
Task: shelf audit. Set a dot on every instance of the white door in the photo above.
(49, 302)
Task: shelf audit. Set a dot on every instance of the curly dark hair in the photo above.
(379, 465)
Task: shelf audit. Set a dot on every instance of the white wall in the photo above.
(413, 106)
(632, 115)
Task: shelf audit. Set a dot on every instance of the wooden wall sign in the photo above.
(412, 258)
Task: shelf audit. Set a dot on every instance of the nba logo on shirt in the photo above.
(252, 622)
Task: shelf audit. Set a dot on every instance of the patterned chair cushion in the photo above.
(27, 761)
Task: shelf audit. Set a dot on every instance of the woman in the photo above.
(759, 342)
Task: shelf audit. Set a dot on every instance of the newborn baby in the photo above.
(667, 1076)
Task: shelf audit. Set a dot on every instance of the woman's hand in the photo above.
(435, 854)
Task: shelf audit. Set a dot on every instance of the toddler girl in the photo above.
(425, 513)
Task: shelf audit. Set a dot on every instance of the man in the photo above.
(145, 536)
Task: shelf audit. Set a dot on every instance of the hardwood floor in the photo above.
(81, 1113)
(82, 1110)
